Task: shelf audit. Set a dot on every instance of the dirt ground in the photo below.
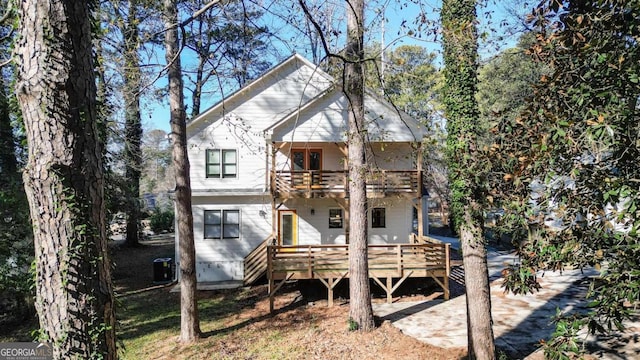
(303, 325)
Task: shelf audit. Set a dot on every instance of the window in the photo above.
(221, 163)
(335, 218)
(378, 218)
(231, 224)
(223, 224)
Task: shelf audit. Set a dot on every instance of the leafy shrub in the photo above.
(162, 220)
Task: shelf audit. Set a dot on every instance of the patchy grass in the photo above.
(236, 324)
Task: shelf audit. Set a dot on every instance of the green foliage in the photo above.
(352, 325)
(505, 83)
(230, 44)
(467, 170)
(412, 82)
(16, 236)
(565, 342)
(566, 171)
(162, 220)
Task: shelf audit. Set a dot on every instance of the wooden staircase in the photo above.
(255, 264)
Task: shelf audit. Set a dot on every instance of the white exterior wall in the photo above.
(332, 156)
(326, 121)
(240, 125)
(387, 156)
(314, 229)
(262, 109)
(399, 214)
(223, 259)
(392, 156)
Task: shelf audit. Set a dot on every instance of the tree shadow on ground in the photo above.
(297, 302)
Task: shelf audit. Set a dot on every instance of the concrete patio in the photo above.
(520, 321)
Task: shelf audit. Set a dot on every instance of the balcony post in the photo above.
(420, 183)
(274, 192)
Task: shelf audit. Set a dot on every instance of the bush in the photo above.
(161, 221)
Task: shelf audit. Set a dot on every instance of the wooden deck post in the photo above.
(330, 283)
(309, 263)
(274, 194)
(421, 210)
(270, 276)
(447, 251)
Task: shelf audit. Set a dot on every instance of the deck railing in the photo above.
(330, 264)
(255, 264)
(323, 261)
(319, 183)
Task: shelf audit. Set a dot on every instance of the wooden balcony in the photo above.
(330, 264)
(334, 183)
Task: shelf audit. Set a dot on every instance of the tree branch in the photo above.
(320, 33)
(190, 19)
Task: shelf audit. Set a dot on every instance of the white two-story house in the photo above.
(268, 166)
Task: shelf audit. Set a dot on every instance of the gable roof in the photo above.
(403, 126)
(413, 130)
(241, 92)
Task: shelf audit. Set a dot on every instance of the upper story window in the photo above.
(221, 163)
(378, 218)
(223, 224)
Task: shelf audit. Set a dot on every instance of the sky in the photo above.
(402, 27)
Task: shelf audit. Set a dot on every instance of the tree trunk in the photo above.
(64, 180)
(133, 125)
(360, 310)
(467, 171)
(478, 294)
(189, 320)
(197, 91)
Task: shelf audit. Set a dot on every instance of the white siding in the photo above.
(314, 229)
(399, 213)
(387, 156)
(332, 156)
(239, 125)
(385, 124)
(391, 156)
(326, 121)
(270, 104)
(223, 259)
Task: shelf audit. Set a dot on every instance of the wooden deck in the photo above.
(330, 264)
(333, 183)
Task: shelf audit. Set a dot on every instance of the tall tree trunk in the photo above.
(199, 83)
(360, 310)
(466, 170)
(64, 180)
(189, 320)
(133, 124)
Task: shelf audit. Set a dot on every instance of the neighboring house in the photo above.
(268, 166)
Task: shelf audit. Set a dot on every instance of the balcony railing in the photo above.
(334, 183)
